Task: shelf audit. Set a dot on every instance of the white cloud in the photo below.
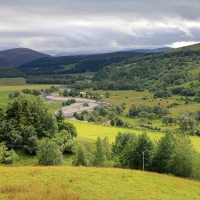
(182, 44)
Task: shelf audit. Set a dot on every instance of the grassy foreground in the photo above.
(92, 183)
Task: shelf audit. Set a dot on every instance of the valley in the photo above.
(127, 107)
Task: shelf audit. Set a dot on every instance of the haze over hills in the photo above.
(162, 49)
(146, 50)
(19, 56)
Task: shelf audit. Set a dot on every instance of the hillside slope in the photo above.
(92, 183)
(82, 63)
(19, 56)
(152, 71)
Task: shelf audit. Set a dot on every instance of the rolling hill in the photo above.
(152, 71)
(19, 56)
(163, 49)
(73, 64)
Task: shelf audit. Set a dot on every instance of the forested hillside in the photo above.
(73, 64)
(152, 71)
(9, 72)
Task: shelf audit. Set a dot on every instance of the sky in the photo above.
(93, 26)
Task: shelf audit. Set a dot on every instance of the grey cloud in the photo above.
(93, 25)
(141, 8)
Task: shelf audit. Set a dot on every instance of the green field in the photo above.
(6, 89)
(65, 67)
(12, 81)
(39, 183)
(92, 131)
(86, 74)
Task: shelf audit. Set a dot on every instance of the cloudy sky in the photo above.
(98, 25)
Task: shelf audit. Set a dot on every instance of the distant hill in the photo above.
(163, 49)
(74, 64)
(19, 56)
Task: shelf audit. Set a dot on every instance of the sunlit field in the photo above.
(92, 131)
(5, 90)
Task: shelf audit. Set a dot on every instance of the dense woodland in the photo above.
(153, 71)
(59, 65)
(9, 72)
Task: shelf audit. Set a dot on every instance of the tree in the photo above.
(7, 156)
(36, 92)
(60, 116)
(64, 140)
(80, 156)
(49, 153)
(30, 140)
(99, 154)
(187, 120)
(65, 93)
(142, 114)
(163, 153)
(106, 147)
(169, 120)
(69, 127)
(133, 111)
(144, 146)
(119, 148)
(10, 96)
(119, 122)
(181, 160)
(107, 94)
(161, 111)
(16, 94)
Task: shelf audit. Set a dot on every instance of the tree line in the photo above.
(172, 154)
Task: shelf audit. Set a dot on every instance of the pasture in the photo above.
(12, 81)
(92, 131)
(11, 85)
(38, 183)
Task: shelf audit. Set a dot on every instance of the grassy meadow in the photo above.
(86, 74)
(129, 97)
(12, 81)
(92, 131)
(10, 85)
(70, 183)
